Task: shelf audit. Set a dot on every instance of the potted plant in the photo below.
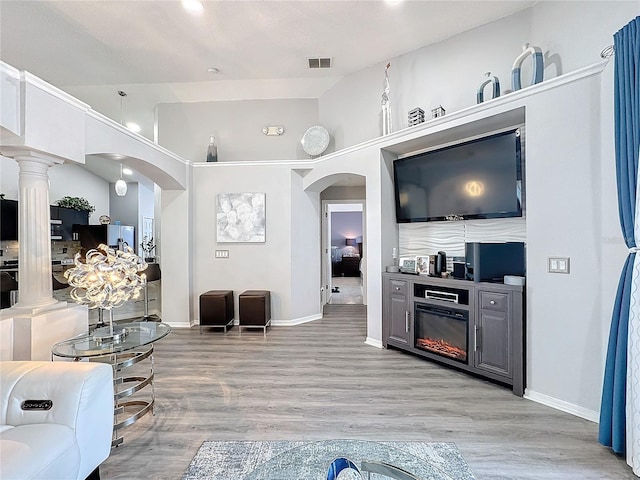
(147, 248)
(77, 203)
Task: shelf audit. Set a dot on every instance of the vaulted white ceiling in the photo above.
(105, 42)
(158, 52)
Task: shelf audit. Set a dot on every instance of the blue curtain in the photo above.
(627, 143)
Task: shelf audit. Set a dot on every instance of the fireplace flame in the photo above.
(442, 347)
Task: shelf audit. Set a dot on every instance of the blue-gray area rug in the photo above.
(285, 460)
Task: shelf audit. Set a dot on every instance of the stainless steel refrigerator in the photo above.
(116, 236)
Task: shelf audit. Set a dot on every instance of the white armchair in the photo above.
(56, 419)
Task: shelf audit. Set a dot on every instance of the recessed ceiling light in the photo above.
(193, 6)
(127, 171)
(134, 127)
(213, 70)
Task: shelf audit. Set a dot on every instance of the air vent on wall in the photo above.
(323, 62)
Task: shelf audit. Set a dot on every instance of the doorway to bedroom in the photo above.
(344, 249)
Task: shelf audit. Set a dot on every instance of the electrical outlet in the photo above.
(558, 264)
(222, 253)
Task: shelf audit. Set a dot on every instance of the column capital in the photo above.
(23, 153)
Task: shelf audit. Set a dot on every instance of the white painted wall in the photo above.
(76, 181)
(250, 266)
(175, 250)
(305, 252)
(564, 218)
(10, 101)
(363, 162)
(447, 74)
(185, 128)
(576, 32)
(9, 178)
(571, 35)
(142, 99)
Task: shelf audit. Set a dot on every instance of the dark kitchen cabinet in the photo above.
(494, 316)
(8, 219)
(63, 219)
(398, 315)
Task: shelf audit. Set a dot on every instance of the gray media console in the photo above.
(473, 326)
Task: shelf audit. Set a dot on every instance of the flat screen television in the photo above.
(481, 178)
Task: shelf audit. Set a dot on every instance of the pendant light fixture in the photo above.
(121, 185)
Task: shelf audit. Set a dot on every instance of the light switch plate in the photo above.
(222, 253)
(558, 264)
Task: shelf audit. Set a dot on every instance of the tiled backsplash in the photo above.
(9, 250)
(60, 250)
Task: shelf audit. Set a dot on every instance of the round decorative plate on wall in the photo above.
(315, 140)
(105, 219)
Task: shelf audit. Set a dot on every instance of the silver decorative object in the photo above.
(107, 279)
(212, 150)
(315, 140)
(437, 112)
(386, 103)
(416, 116)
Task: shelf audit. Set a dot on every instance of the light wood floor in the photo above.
(320, 381)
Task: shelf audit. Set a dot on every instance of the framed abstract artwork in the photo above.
(240, 218)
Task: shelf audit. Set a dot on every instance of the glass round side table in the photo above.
(135, 346)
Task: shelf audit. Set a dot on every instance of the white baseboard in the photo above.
(180, 324)
(373, 342)
(275, 323)
(563, 406)
(296, 321)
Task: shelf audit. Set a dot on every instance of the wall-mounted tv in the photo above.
(481, 178)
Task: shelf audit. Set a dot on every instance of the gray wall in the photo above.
(185, 128)
(125, 209)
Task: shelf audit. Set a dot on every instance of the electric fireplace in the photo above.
(442, 331)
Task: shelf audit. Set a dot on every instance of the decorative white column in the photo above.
(35, 292)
